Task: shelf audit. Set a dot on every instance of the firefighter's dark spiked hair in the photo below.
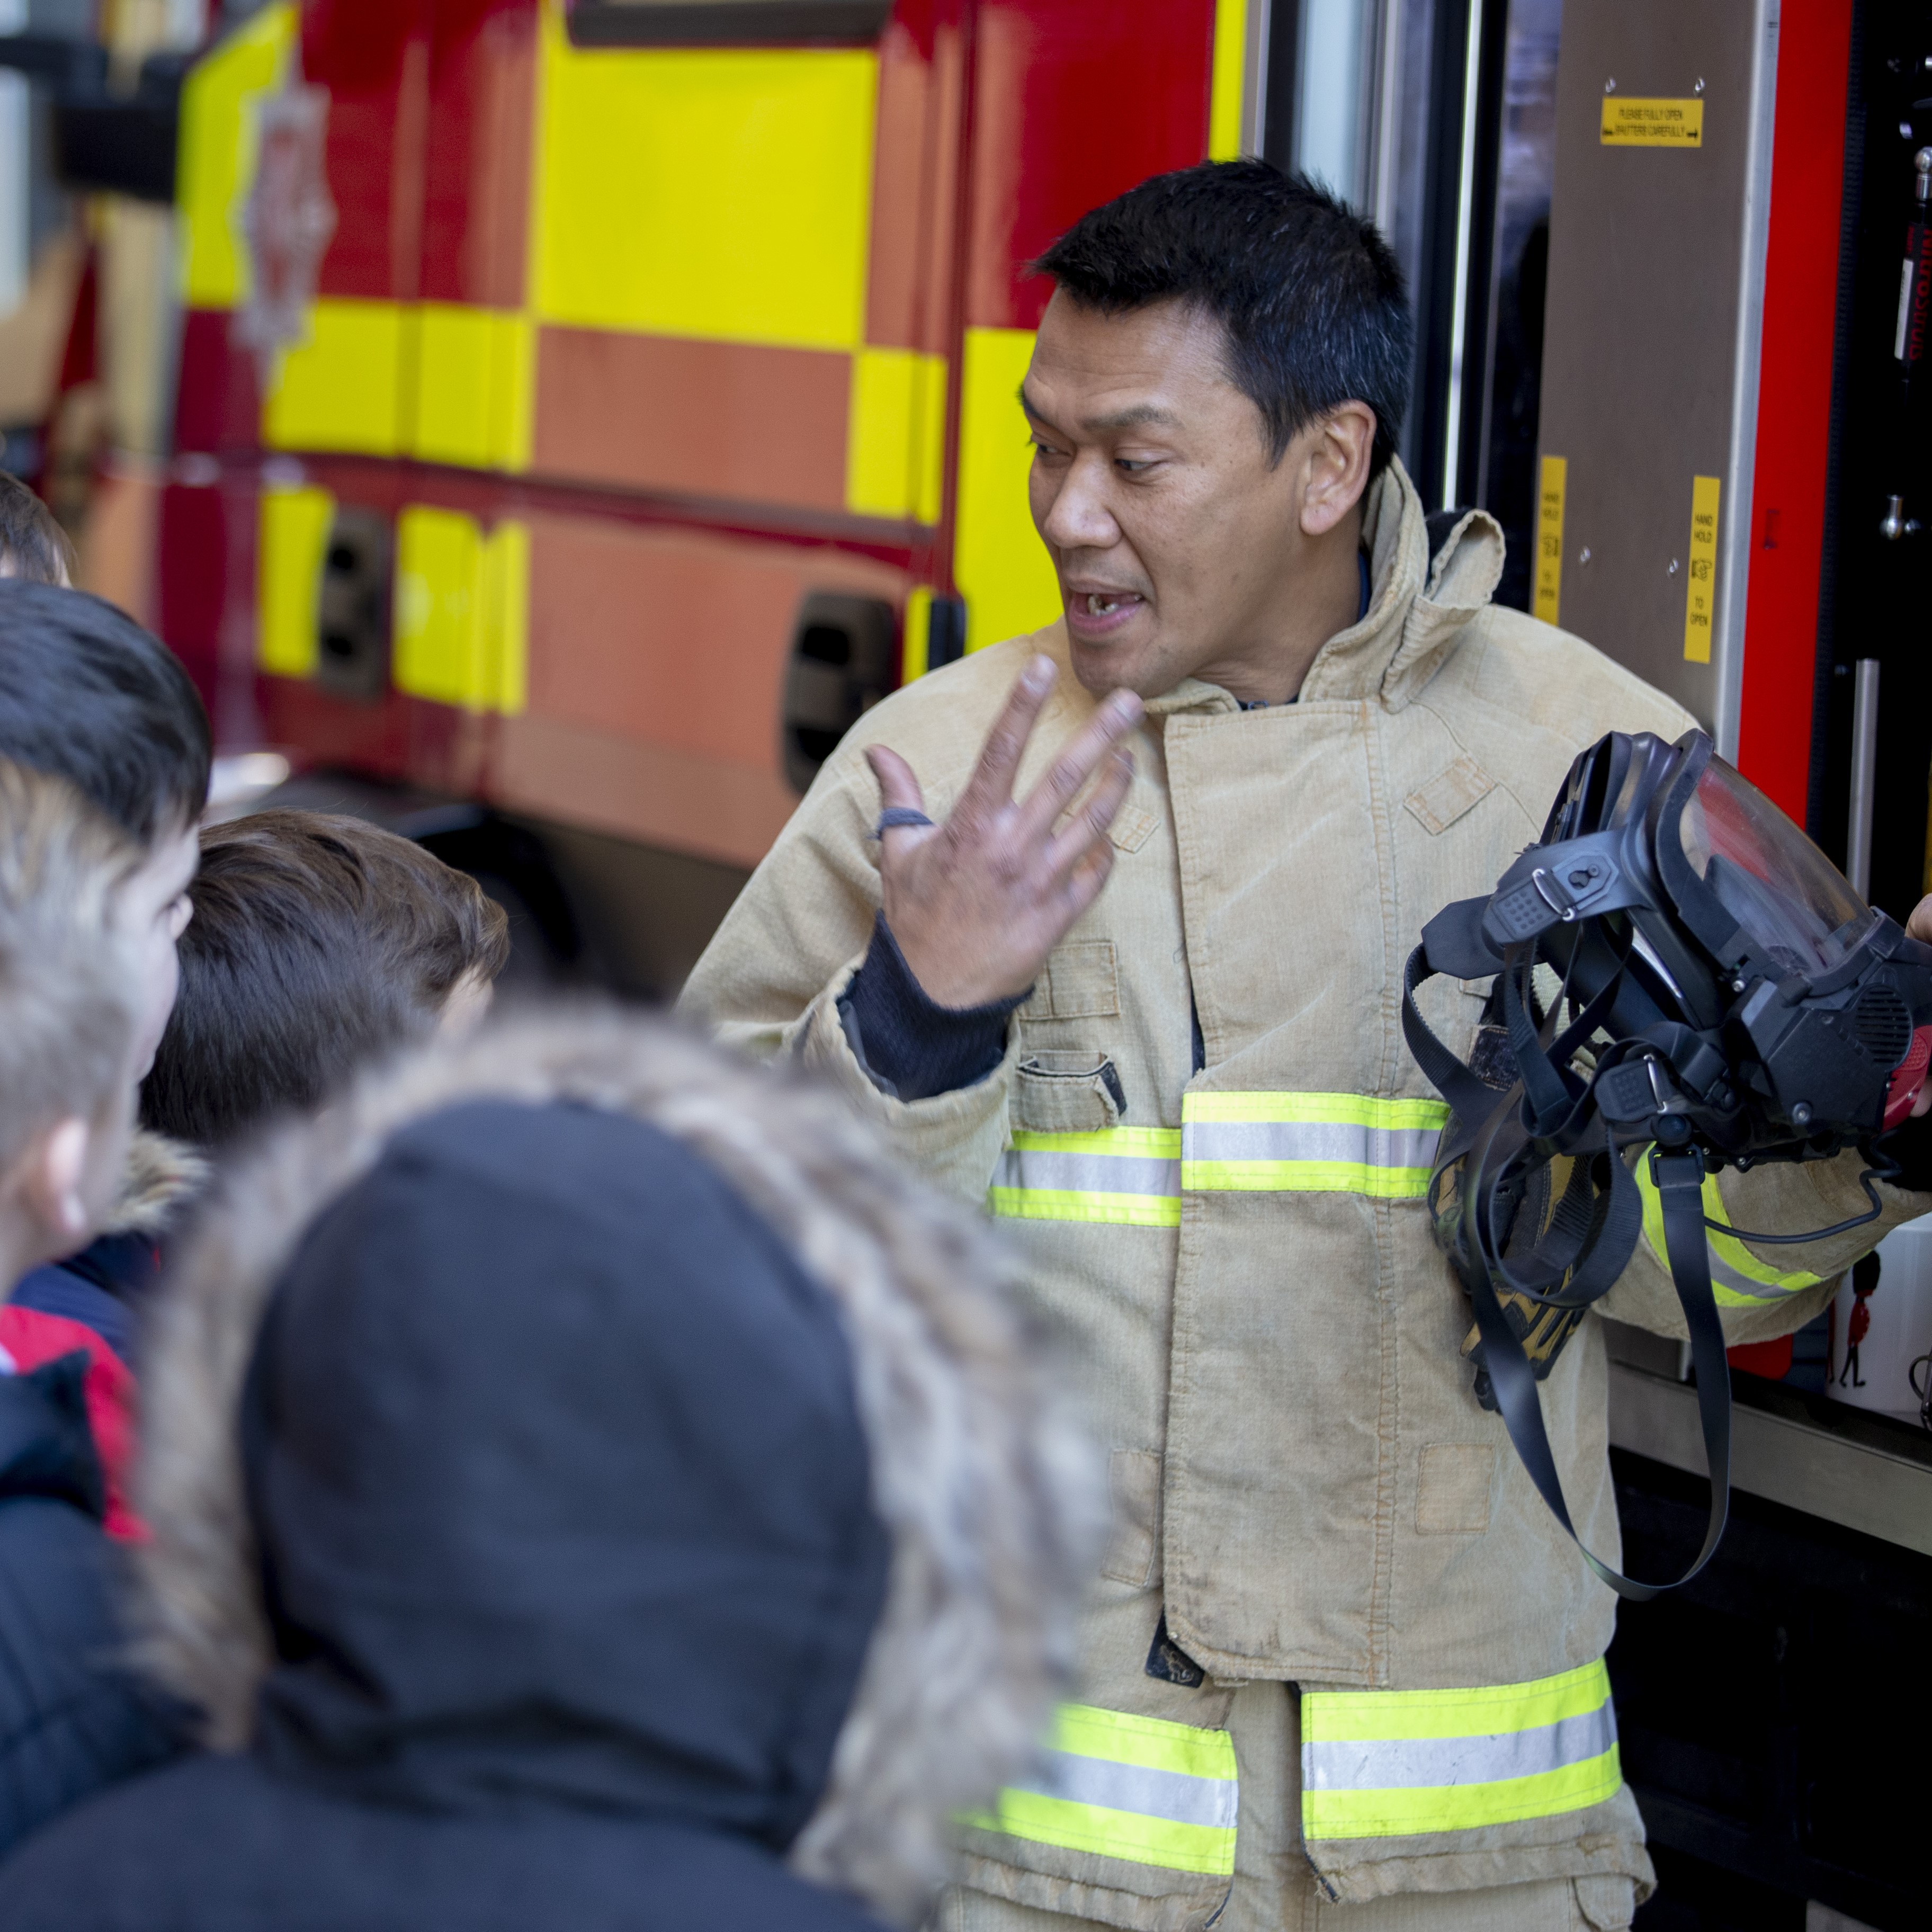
(1310, 296)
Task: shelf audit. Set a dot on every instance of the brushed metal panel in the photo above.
(1656, 258)
(1789, 1462)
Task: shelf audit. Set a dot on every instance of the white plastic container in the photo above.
(1900, 1308)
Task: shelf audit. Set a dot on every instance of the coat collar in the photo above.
(1420, 605)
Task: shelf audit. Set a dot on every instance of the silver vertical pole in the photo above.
(1459, 310)
(1254, 94)
(1865, 767)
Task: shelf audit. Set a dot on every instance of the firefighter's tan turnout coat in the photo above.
(1238, 1266)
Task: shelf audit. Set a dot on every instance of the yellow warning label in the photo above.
(1701, 599)
(1631, 123)
(1549, 538)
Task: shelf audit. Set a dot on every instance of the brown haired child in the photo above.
(318, 944)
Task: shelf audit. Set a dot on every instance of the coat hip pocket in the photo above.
(1073, 1093)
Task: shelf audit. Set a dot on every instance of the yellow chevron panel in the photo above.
(474, 369)
(462, 613)
(293, 533)
(896, 438)
(342, 388)
(214, 165)
(1002, 567)
(709, 192)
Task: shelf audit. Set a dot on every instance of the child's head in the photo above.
(32, 545)
(69, 1008)
(317, 943)
(89, 695)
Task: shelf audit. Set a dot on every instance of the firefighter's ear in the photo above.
(1336, 466)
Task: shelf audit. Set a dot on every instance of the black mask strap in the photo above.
(1551, 1100)
(1470, 1099)
(1680, 1188)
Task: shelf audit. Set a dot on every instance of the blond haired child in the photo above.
(71, 1001)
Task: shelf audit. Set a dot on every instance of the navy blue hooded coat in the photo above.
(567, 1542)
(72, 1717)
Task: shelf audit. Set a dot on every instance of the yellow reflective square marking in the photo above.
(214, 166)
(718, 193)
(293, 534)
(1002, 567)
(342, 387)
(475, 372)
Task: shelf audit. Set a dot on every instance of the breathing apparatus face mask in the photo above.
(1681, 980)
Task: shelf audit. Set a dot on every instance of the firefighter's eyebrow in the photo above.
(1140, 415)
(1033, 411)
(1135, 418)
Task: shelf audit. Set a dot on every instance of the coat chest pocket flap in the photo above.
(1082, 982)
(1073, 1093)
(1449, 795)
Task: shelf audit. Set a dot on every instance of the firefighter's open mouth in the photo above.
(1097, 614)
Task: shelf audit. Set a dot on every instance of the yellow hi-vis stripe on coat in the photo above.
(1309, 1143)
(1240, 1143)
(1381, 1764)
(1141, 1789)
(1739, 1279)
(1130, 1176)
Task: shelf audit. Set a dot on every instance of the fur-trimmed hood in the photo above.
(162, 1176)
(986, 1495)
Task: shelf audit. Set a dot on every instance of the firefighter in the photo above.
(1339, 1654)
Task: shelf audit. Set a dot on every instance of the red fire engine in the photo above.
(586, 410)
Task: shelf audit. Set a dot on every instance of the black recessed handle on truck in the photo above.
(842, 648)
(352, 653)
(714, 23)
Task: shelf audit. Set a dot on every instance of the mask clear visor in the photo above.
(1793, 904)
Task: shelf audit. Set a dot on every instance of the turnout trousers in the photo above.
(1274, 1888)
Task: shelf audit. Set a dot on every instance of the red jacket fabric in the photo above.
(30, 1339)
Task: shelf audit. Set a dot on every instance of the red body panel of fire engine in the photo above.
(1071, 105)
(1788, 506)
(375, 61)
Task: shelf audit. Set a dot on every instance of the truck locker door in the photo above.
(733, 325)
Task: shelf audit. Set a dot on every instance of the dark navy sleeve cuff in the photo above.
(910, 1047)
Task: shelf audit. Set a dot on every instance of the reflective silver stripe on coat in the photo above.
(1384, 1764)
(1172, 1795)
(1335, 1140)
(1050, 1171)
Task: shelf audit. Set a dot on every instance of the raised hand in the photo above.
(978, 903)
